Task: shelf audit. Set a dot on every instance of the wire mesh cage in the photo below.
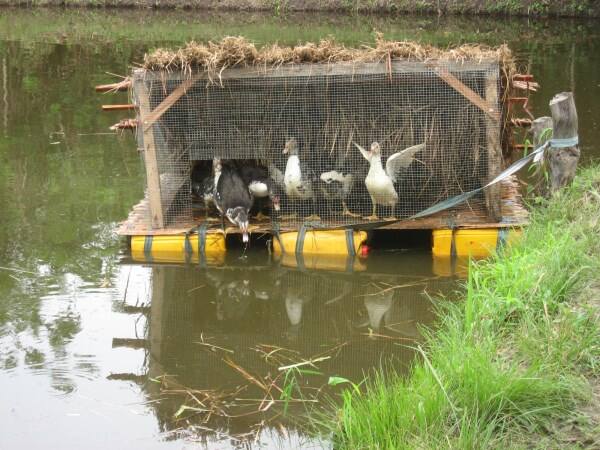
(343, 143)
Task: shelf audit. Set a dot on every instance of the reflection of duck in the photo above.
(380, 182)
(298, 178)
(233, 299)
(377, 306)
(297, 294)
(233, 198)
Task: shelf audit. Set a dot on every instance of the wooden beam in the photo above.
(125, 124)
(489, 108)
(493, 198)
(523, 77)
(168, 102)
(151, 163)
(117, 107)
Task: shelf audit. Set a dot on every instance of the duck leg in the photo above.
(374, 215)
(392, 217)
(314, 216)
(347, 212)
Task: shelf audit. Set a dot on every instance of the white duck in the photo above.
(297, 178)
(380, 182)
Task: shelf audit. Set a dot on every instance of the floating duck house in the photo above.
(345, 137)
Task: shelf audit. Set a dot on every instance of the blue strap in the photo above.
(564, 142)
(502, 236)
(300, 248)
(350, 264)
(148, 247)
(187, 246)
(350, 241)
(201, 230)
(276, 232)
(453, 244)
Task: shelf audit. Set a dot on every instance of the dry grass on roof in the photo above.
(239, 52)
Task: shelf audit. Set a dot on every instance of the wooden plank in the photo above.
(473, 215)
(118, 107)
(488, 107)
(494, 150)
(169, 101)
(151, 163)
(303, 70)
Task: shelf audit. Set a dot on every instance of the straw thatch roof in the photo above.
(239, 52)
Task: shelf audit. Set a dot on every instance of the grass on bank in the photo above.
(514, 364)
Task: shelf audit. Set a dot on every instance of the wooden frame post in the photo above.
(150, 160)
(493, 194)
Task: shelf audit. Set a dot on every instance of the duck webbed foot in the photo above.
(313, 218)
(347, 212)
(372, 217)
(289, 216)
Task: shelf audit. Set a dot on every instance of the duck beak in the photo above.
(286, 150)
(276, 204)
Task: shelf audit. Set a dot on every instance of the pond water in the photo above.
(98, 351)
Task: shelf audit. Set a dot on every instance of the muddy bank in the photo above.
(546, 8)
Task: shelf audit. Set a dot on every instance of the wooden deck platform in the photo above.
(470, 215)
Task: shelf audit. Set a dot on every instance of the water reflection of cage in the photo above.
(451, 104)
(199, 318)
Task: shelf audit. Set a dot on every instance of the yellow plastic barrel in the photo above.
(179, 248)
(477, 243)
(319, 242)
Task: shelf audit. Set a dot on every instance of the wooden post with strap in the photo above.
(563, 154)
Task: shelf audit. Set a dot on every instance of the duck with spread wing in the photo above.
(379, 181)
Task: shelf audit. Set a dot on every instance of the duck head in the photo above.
(375, 149)
(239, 216)
(291, 147)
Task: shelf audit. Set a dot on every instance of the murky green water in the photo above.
(83, 334)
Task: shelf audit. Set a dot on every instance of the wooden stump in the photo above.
(538, 128)
(563, 160)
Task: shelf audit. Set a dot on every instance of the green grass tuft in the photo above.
(509, 361)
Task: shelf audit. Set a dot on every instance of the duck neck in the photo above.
(376, 165)
(292, 164)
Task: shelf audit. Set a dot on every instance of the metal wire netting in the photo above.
(325, 110)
